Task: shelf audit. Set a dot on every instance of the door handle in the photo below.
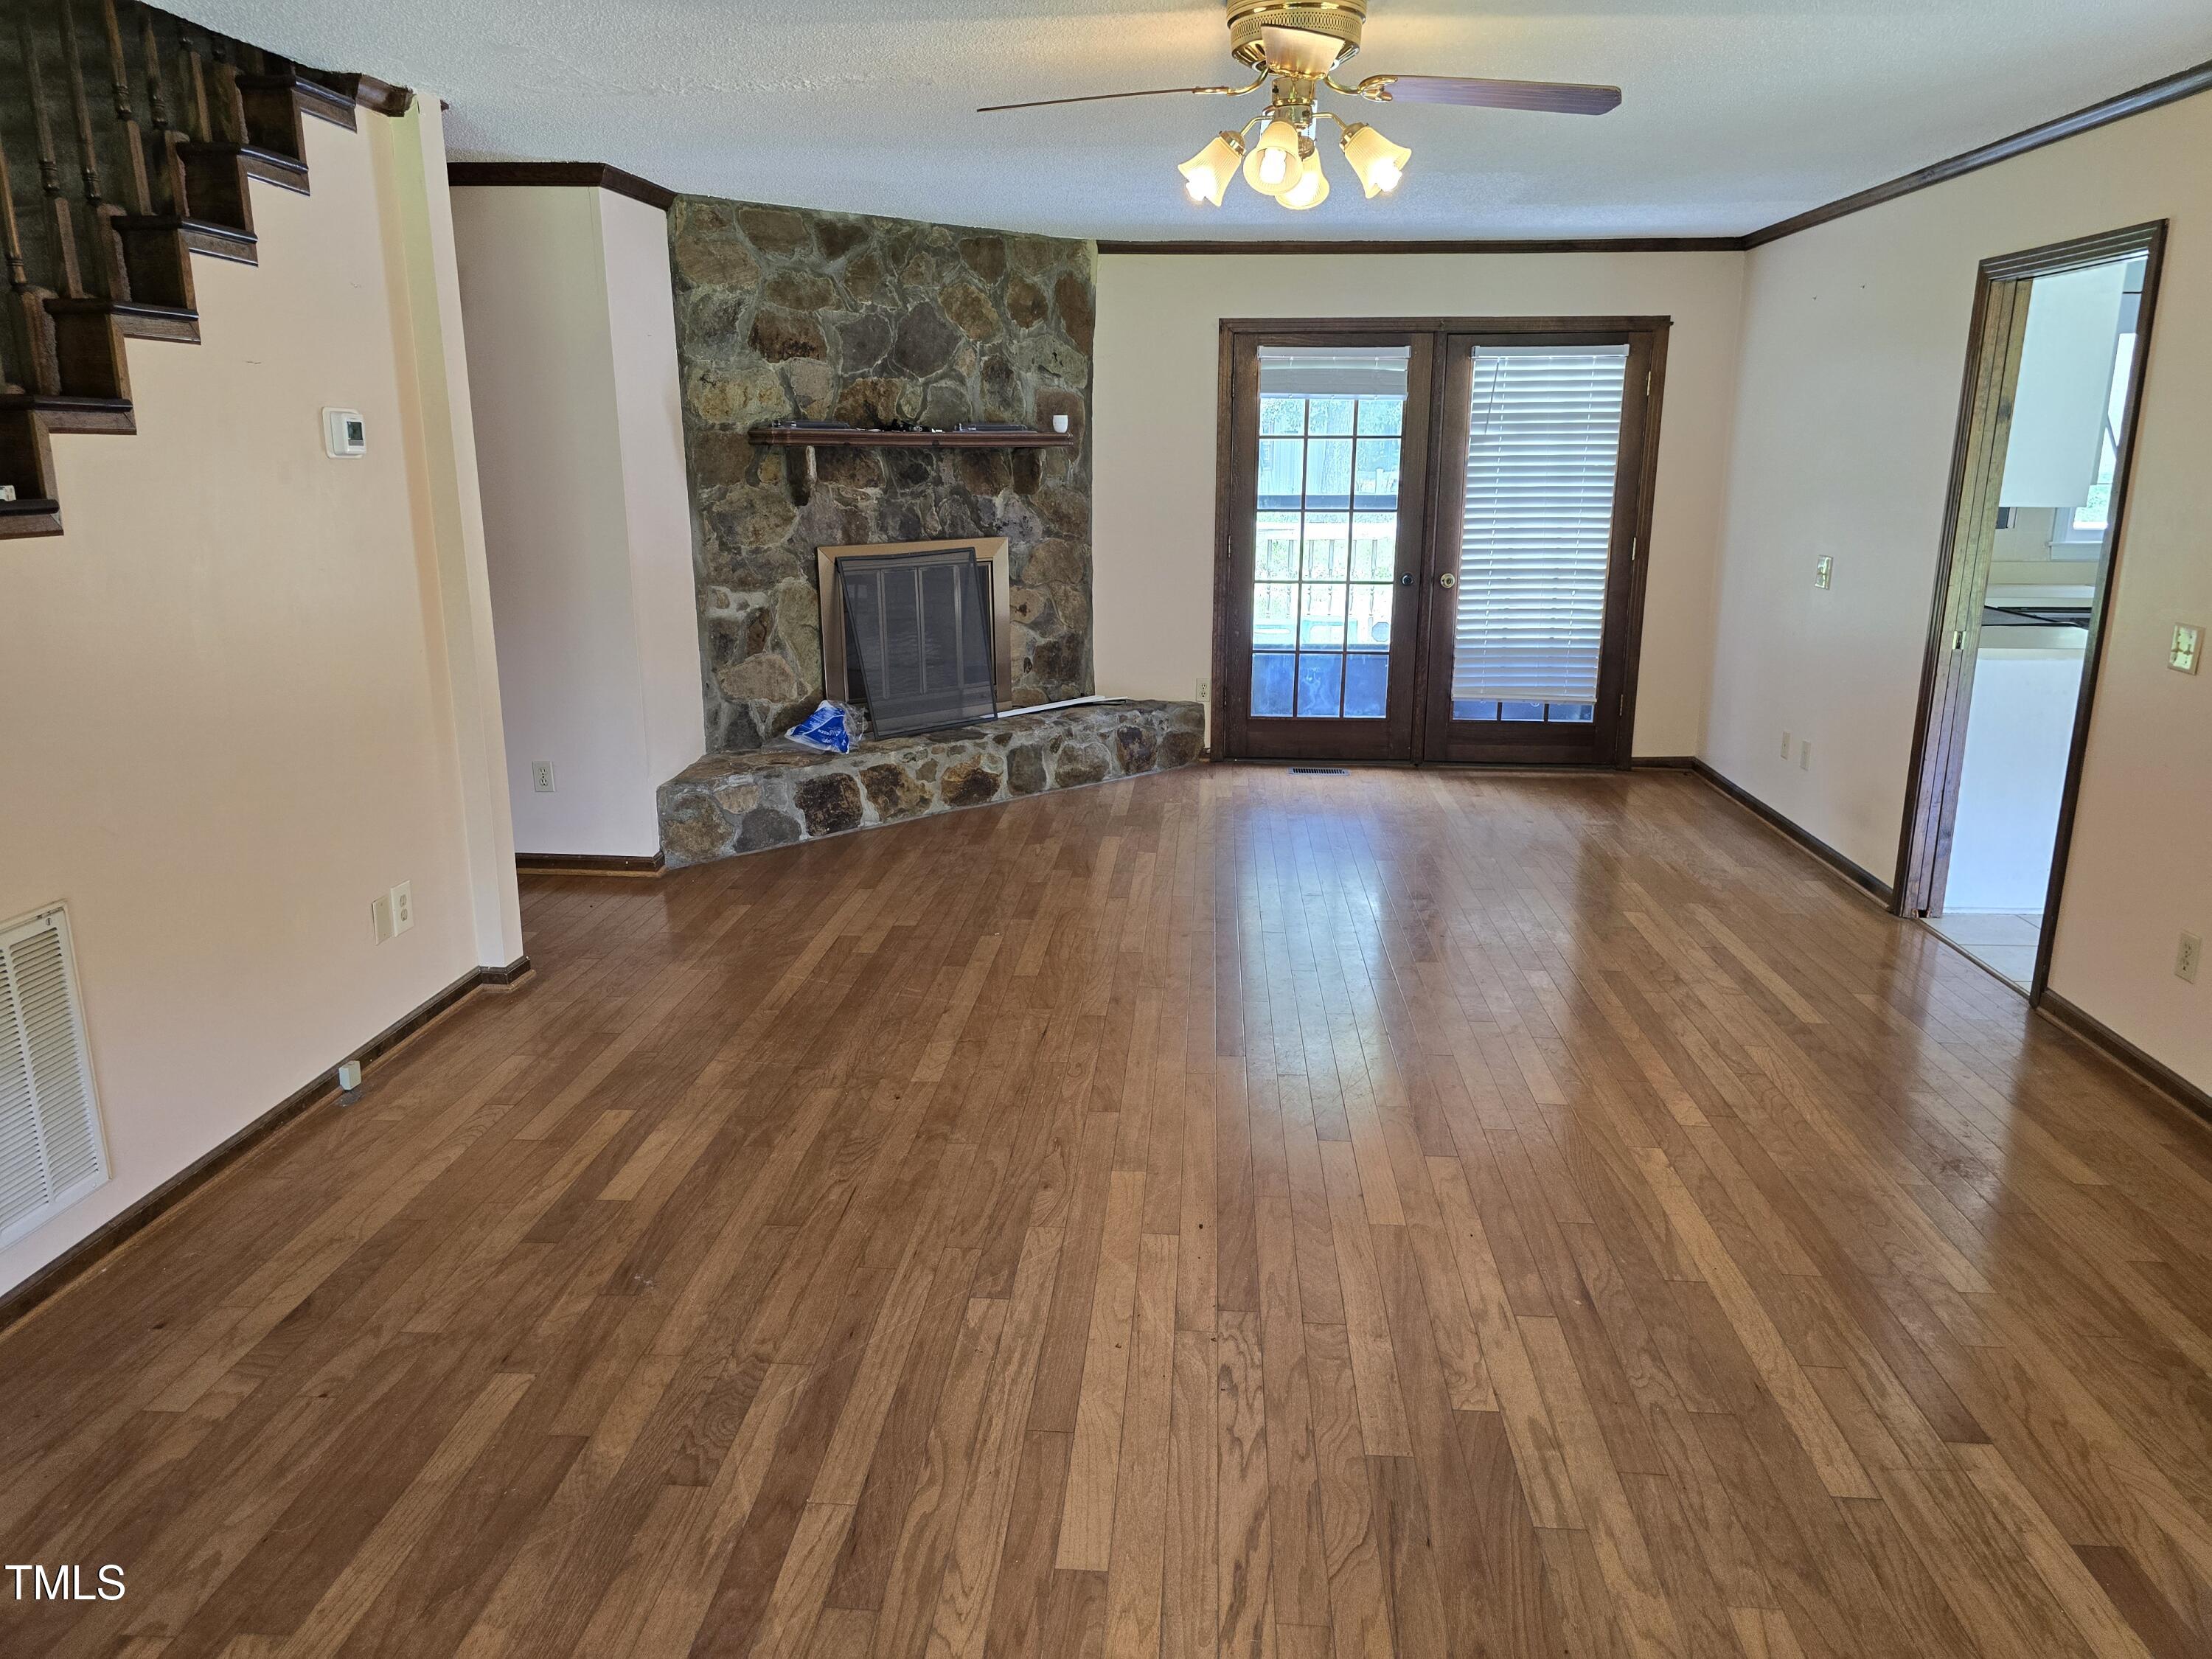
(1447, 581)
(1405, 581)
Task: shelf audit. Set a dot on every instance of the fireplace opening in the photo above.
(842, 667)
(918, 639)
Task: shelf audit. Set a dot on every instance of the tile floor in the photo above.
(2002, 941)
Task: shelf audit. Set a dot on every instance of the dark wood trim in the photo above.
(591, 175)
(1569, 245)
(2156, 94)
(118, 1231)
(590, 864)
(1859, 875)
(2071, 1017)
(1324, 325)
(1978, 445)
(2001, 290)
(1663, 763)
(379, 97)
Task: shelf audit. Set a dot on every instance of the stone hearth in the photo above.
(729, 804)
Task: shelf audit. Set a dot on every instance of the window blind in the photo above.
(1543, 444)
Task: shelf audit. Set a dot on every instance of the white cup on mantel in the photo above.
(1060, 423)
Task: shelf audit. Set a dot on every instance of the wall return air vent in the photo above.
(51, 1153)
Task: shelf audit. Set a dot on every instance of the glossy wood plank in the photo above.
(1221, 1214)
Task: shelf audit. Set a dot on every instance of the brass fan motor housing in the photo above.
(1340, 21)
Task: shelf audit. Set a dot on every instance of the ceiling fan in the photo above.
(1299, 44)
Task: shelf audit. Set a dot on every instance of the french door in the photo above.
(1430, 545)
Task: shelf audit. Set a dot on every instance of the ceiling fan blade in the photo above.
(1102, 97)
(1560, 97)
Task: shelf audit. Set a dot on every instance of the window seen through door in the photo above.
(1325, 542)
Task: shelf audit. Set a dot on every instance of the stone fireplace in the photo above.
(785, 313)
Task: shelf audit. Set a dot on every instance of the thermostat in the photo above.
(346, 433)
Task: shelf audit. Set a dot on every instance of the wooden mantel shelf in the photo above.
(811, 437)
(855, 437)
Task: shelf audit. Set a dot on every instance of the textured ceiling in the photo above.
(1737, 113)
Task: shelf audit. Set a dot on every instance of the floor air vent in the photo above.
(1321, 772)
(51, 1154)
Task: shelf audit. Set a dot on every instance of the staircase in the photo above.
(127, 137)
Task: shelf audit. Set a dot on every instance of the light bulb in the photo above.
(1311, 189)
(1379, 163)
(1205, 176)
(1272, 167)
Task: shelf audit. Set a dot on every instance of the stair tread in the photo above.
(261, 153)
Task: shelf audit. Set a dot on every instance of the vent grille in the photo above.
(51, 1154)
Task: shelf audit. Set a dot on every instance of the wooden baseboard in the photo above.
(1663, 763)
(111, 1235)
(589, 863)
(1805, 838)
(2117, 1049)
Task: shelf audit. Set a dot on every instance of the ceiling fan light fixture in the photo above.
(1379, 163)
(1205, 176)
(1273, 165)
(1312, 187)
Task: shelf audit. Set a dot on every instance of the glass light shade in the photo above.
(1379, 163)
(1205, 176)
(1273, 167)
(1311, 189)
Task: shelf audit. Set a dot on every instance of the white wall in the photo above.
(572, 363)
(2018, 730)
(1154, 431)
(1855, 339)
(236, 689)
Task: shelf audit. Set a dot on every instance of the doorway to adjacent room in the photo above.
(2060, 340)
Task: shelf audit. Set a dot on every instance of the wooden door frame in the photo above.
(1234, 329)
(1235, 493)
(1994, 338)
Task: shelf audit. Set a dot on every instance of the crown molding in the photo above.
(1563, 244)
(2156, 94)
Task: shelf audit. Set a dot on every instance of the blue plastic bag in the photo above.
(832, 728)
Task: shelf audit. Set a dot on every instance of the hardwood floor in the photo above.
(1225, 1213)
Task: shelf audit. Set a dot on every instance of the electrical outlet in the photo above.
(1805, 755)
(1205, 688)
(379, 917)
(1824, 572)
(1785, 745)
(541, 776)
(2188, 957)
(2188, 649)
(403, 906)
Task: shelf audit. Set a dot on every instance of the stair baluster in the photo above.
(50, 174)
(108, 270)
(30, 351)
(126, 113)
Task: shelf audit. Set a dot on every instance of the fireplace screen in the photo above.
(918, 632)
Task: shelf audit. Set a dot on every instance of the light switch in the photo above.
(2188, 649)
(1824, 572)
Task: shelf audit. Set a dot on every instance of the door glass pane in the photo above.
(1366, 685)
(1320, 685)
(1536, 539)
(1325, 546)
